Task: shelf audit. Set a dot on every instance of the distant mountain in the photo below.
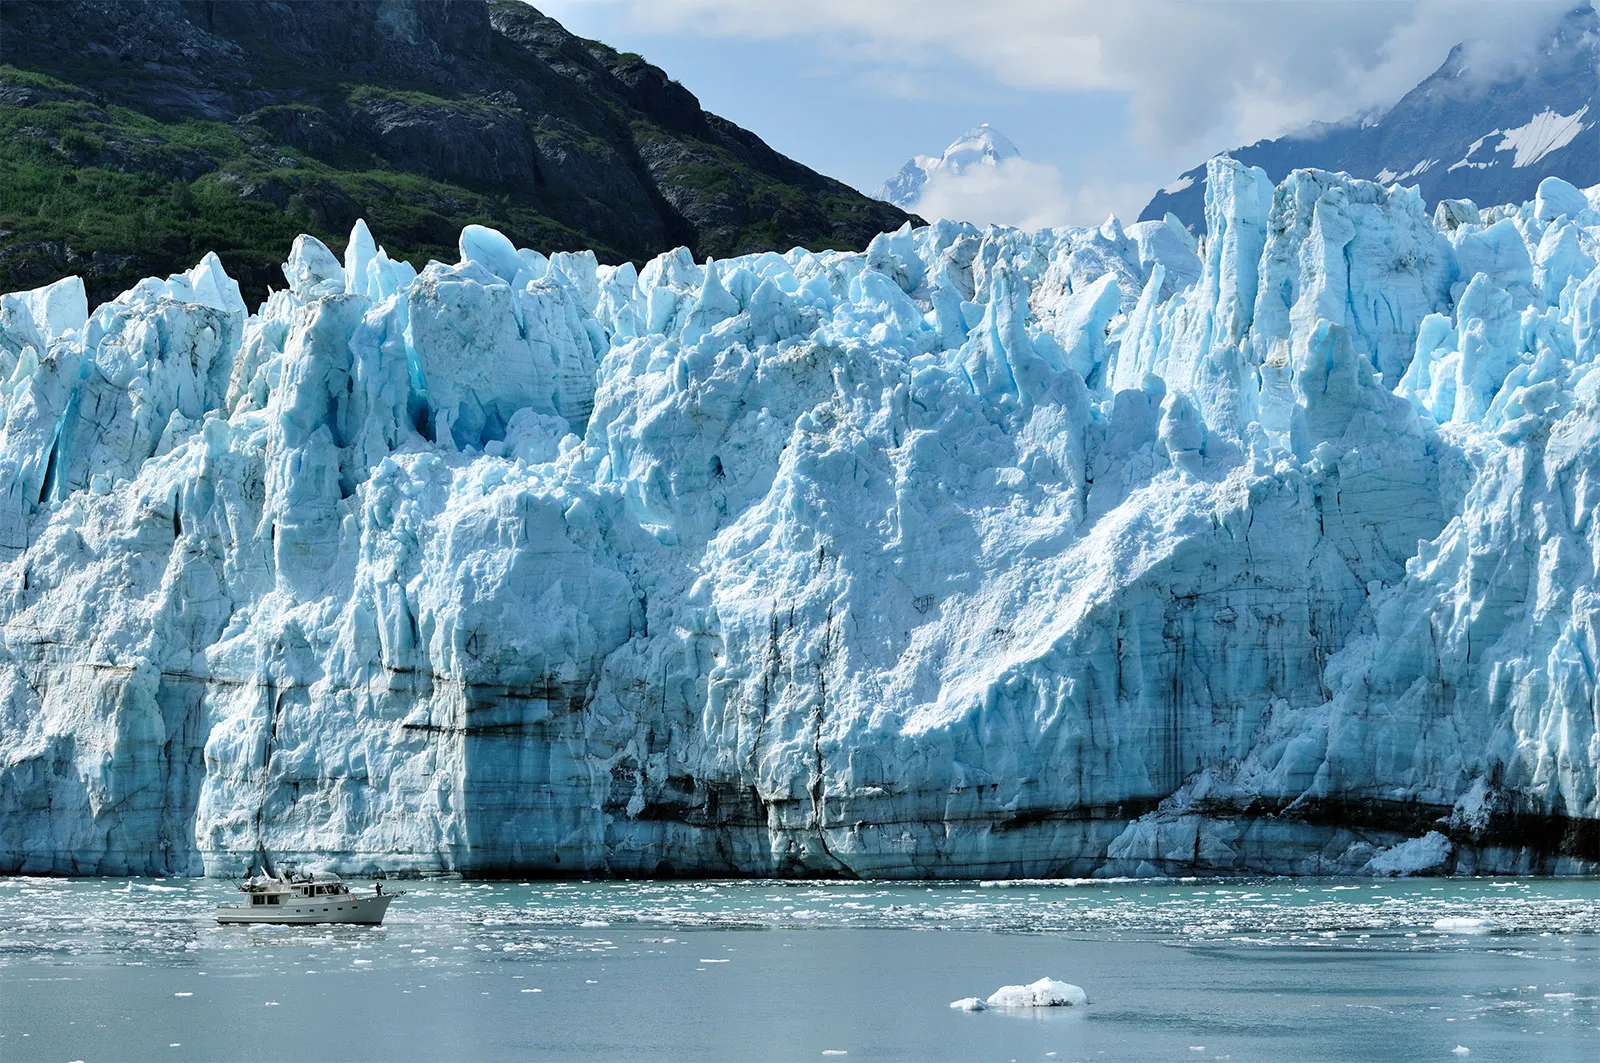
(983, 146)
(135, 135)
(1455, 136)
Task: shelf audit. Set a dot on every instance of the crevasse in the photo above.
(976, 553)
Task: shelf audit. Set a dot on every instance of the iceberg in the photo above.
(1045, 993)
(979, 553)
(1461, 925)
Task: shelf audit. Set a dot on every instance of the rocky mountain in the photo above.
(1455, 136)
(136, 135)
(982, 146)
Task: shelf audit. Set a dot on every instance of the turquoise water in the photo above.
(1243, 970)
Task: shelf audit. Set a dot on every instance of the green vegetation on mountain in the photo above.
(135, 136)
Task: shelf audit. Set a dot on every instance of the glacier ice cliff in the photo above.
(1085, 551)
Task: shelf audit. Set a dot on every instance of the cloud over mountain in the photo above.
(1239, 69)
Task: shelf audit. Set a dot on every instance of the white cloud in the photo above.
(1026, 194)
(1195, 70)
(1017, 192)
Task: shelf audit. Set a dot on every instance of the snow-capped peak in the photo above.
(983, 145)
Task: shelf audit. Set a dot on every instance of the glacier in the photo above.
(978, 553)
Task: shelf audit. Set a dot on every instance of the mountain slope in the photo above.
(136, 136)
(1454, 136)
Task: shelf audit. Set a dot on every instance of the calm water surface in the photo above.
(117, 969)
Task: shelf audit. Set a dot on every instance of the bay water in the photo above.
(1478, 969)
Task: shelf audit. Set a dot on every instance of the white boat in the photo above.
(318, 898)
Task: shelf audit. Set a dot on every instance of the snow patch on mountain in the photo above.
(1389, 177)
(1546, 132)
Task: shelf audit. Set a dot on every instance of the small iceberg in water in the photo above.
(1045, 993)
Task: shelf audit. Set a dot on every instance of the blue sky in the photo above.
(844, 115)
(1108, 99)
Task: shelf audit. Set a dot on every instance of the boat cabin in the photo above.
(268, 890)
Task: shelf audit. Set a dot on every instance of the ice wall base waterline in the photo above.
(979, 553)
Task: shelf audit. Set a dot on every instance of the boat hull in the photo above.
(362, 911)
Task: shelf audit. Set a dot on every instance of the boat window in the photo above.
(258, 900)
(272, 900)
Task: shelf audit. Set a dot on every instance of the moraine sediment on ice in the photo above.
(977, 553)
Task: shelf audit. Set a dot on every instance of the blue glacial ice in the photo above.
(978, 553)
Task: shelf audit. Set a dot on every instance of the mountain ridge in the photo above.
(1436, 135)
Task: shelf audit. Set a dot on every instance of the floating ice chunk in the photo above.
(1045, 993)
(969, 1004)
(1461, 924)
